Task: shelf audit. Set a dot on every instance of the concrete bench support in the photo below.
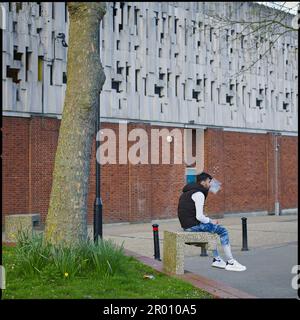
(173, 257)
(19, 222)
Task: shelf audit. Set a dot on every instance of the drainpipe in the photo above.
(276, 149)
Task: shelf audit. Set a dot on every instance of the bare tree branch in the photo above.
(271, 25)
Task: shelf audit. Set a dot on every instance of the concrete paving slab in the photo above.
(263, 231)
(268, 273)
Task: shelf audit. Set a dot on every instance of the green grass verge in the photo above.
(129, 283)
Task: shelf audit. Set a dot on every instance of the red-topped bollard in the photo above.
(156, 242)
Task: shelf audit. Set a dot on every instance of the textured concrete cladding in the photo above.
(168, 62)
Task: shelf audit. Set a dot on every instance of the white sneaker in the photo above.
(218, 263)
(233, 265)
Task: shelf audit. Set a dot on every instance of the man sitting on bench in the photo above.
(192, 219)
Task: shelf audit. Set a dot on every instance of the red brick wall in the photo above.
(114, 187)
(214, 163)
(243, 162)
(245, 172)
(139, 192)
(129, 192)
(29, 146)
(270, 163)
(288, 164)
(160, 184)
(15, 175)
(43, 137)
(239, 161)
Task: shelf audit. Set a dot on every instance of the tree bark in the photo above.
(67, 214)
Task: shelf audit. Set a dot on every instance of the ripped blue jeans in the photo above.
(212, 228)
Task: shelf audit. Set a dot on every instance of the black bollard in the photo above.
(156, 242)
(244, 231)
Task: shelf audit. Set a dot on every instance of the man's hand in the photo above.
(214, 221)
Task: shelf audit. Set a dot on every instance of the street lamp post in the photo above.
(98, 200)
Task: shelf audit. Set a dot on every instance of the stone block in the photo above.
(173, 257)
(19, 222)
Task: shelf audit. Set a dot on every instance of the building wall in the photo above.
(175, 47)
(288, 172)
(243, 162)
(129, 192)
(29, 146)
(15, 165)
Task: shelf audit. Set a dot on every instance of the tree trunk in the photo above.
(67, 214)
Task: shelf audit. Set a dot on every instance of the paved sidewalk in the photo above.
(272, 241)
(268, 273)
(263, 232)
